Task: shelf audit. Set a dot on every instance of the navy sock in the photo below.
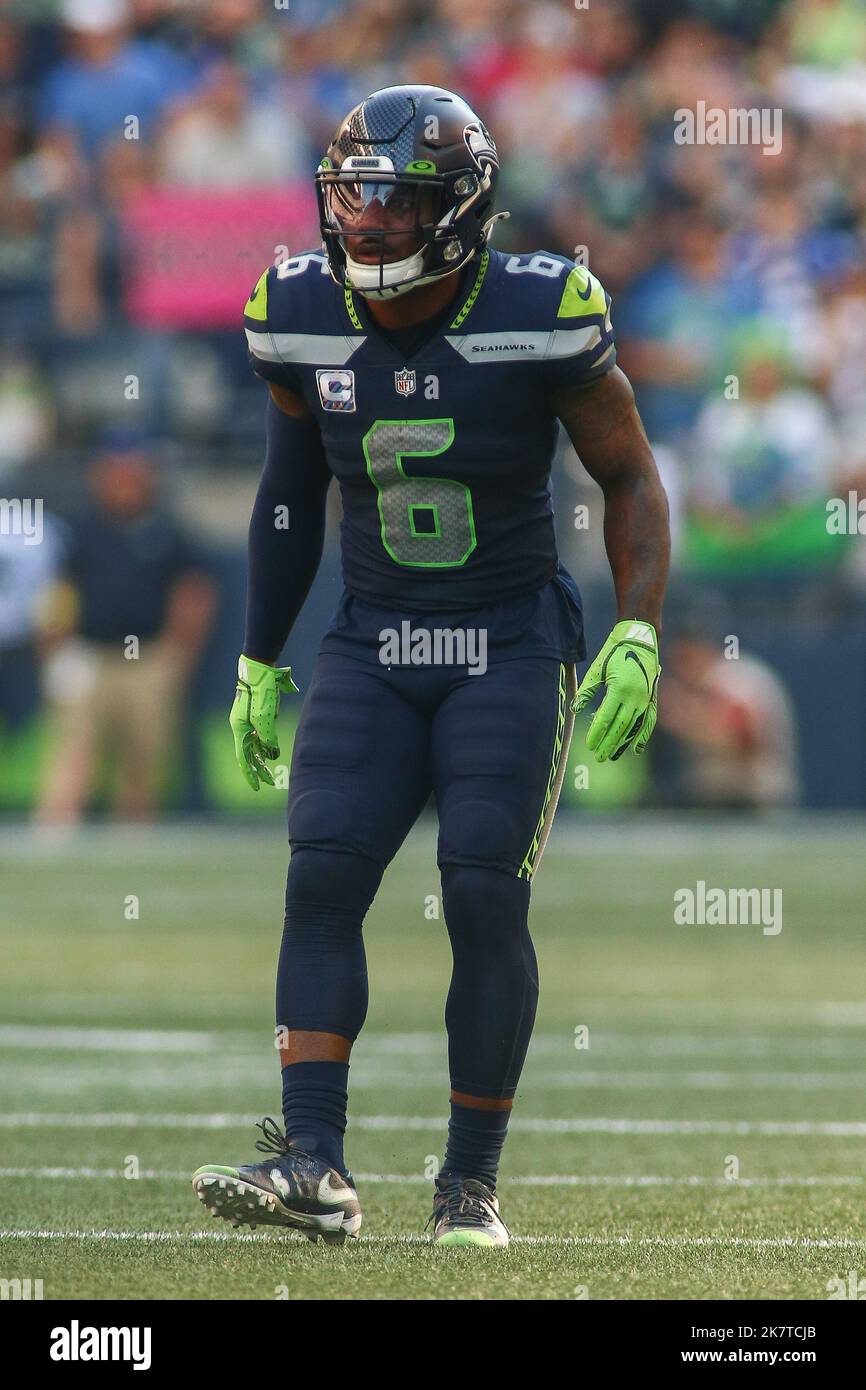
(315, 1095)
(475, 1139)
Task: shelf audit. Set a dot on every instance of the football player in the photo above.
(426, 372)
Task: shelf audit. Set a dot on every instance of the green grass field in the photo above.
(145, 1046)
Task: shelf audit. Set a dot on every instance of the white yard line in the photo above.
(390, 1123)
(56, 1076)
(89, 1173)
(671, 1027)
(195, 1068)
(662, 1242)
(427, 1045)
(672, 1080)
(520, 1180)
(38, 1037)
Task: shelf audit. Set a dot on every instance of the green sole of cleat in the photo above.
(208, 1168)
(469, 1238)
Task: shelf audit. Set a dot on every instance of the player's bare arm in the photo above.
(604, 426)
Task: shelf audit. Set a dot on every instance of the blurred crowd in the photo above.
(737, 274)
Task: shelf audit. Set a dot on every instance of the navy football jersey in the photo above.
(441, 439)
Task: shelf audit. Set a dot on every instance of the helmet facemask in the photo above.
(387, 233)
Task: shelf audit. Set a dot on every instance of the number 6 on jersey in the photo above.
(427, 523)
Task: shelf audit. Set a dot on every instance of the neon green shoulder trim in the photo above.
(482, 270)
(476, 289)
(256, 306)
(583, 295)
(351, 310)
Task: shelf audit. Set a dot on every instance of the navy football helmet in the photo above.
(406, 190)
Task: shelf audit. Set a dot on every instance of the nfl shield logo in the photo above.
(404, 382)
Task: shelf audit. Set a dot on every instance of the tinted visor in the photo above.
(392, 213)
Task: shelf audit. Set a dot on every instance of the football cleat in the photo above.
(293, 1188)
(466, 1212)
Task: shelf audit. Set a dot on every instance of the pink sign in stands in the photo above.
(189, 259)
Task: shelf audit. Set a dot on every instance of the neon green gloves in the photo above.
(628, 664)
(254, 716)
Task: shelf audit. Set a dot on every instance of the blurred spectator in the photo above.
(28, 568)
(26, 413)
(676, 325)
(828, 33)
(481, 43)
(785, 264)
(116, 677)
(112, 89)
(546, 112)
(764, 467)
(25, 184)
(107, 77)
(224, 140)
(608, 202)
(732, 725)
(838, 360)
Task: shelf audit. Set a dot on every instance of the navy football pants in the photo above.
(371, 746)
